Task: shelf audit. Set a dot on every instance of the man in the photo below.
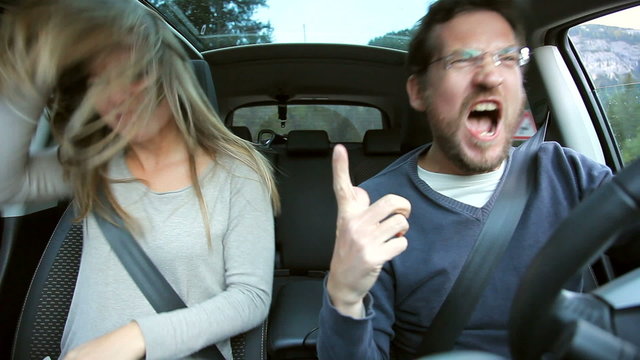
(466, 63)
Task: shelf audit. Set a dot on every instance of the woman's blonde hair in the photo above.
(51, 43)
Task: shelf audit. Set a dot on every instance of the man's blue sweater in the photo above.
(413, 285)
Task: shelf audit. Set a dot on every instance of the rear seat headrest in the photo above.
(311, 142)
(242, 132)
(382, 142)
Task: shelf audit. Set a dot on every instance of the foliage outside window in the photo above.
(611, 56)
(343, 123)
(215, 24)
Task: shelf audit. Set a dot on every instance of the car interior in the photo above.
(295, 101)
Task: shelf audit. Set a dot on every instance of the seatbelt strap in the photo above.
(144, 273)
(457, 308)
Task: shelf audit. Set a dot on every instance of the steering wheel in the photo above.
(545, 318)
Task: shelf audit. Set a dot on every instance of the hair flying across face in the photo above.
(52, 47)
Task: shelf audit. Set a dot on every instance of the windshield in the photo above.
(215, 24)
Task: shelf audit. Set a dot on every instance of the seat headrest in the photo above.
(382, 142)
(242, 132)
(203, 73)
(311, 142)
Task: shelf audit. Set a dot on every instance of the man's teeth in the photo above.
(488, 133)
(487, 106)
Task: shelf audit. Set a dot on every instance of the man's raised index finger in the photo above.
(342, 185)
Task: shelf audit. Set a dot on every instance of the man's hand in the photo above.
(366, 237)
(126, 342)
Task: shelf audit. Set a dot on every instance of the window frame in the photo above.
(384, 118)
(559, 36)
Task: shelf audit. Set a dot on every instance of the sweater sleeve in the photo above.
(343, 337)
(248, 270)
(26, 176)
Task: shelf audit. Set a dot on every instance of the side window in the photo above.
(609, 49)
(343, 123)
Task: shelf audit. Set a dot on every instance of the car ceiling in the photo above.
(310, 73)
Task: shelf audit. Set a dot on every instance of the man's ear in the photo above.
(416, 96)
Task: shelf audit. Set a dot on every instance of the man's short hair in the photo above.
(424, 45)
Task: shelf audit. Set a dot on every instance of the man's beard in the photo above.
(452, 149)
(450, 144)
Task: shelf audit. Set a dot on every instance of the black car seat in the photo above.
(242, 132)
(305, 231)
(306, 225)
(380, 148)
(45, 310)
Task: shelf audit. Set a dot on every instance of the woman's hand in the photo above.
(126, 342)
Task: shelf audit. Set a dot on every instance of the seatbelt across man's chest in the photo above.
(457, 308)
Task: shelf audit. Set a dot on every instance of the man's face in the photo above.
(473, 108)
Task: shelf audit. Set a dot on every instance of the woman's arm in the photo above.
(26, 176)
(125, 343)
(248, 251)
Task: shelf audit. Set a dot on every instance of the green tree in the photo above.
(394, 40)
(214, 24)
(622, 106)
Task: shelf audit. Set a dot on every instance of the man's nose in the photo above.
(487, 74)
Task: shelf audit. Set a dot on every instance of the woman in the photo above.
(135, 130)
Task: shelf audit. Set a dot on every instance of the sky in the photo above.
(339, 21)
(359, 21)
(628, 18)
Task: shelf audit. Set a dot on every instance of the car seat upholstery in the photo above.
(293, 323)
(306, 225)
(380, 148)
(45, 310)
(305, 231)
(242, 132)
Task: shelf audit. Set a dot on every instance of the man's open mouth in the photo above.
(483, 120)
